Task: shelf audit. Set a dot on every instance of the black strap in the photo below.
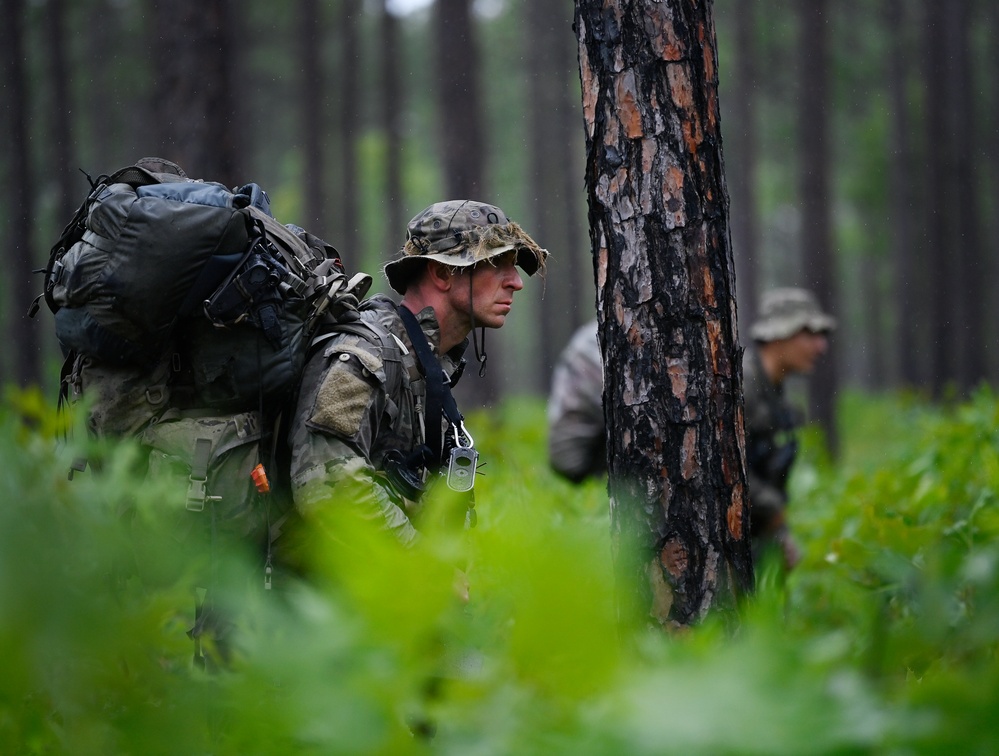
(440, 402)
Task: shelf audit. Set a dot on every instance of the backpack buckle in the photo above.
(196, 495)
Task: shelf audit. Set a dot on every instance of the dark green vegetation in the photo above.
(882, 641)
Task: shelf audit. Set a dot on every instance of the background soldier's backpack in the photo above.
(184, 310)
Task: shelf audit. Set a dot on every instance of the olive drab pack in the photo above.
(184, 311)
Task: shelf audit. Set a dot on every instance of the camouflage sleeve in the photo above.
(341, 409)
(767, 504)
(576, 435)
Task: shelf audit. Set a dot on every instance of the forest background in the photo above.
(860, 141)
(860, 138)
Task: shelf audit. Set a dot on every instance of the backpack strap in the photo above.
(440, 401)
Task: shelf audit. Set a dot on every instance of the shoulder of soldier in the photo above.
(583, 346)
(755, 391)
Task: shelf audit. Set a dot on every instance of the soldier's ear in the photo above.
(439, 274)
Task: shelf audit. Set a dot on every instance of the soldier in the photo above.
(789, 336)
(375, 416)
(577, 445)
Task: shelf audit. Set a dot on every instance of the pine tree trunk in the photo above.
(195, 108)
(742, 157)
(938, 189)
(60, 145)
(666, 306)
(971, 282)
(349, 109)
(313, 99)
(816, 222)
(392, 109)
(463, 151)
(548, 27)
(21, 286)
(908, 278)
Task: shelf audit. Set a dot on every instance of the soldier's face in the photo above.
(803, 351)
(493, 284)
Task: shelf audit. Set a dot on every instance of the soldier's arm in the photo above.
(576, 432)
(768, 504)
(343, 406)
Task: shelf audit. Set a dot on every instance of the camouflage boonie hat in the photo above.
(461, 233)
(784, 312)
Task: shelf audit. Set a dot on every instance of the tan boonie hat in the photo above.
(461, 233)
(784, 312)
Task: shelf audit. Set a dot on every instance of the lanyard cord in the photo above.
(440, 402)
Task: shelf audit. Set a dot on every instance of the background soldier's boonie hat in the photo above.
(461, 233)
(784, 312)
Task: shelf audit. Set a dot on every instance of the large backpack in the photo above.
(184, 311)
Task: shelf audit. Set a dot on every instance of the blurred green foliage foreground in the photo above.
(882, 641)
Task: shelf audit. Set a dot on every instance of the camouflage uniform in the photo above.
(362, 400)
(577, 445)
(771, 443)
(771, 447)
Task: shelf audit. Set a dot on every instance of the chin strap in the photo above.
(480, 356)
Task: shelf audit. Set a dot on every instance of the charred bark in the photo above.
(658, 212)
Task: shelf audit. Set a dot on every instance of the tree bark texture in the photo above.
(666, 306)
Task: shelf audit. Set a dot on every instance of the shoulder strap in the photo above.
(440, 401)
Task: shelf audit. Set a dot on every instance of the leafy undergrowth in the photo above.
(883, 640)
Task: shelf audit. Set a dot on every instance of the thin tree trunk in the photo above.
(458, 100)
(816, 236)
(547, 28)
(21, 285)
(908, 283)
(971, 284)
(313, 99)
(194, 105)
(349, 109)
(392, 109)
(742, 158)
(666, 306)
(938, 186)
(463, 146)
(61, 151)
